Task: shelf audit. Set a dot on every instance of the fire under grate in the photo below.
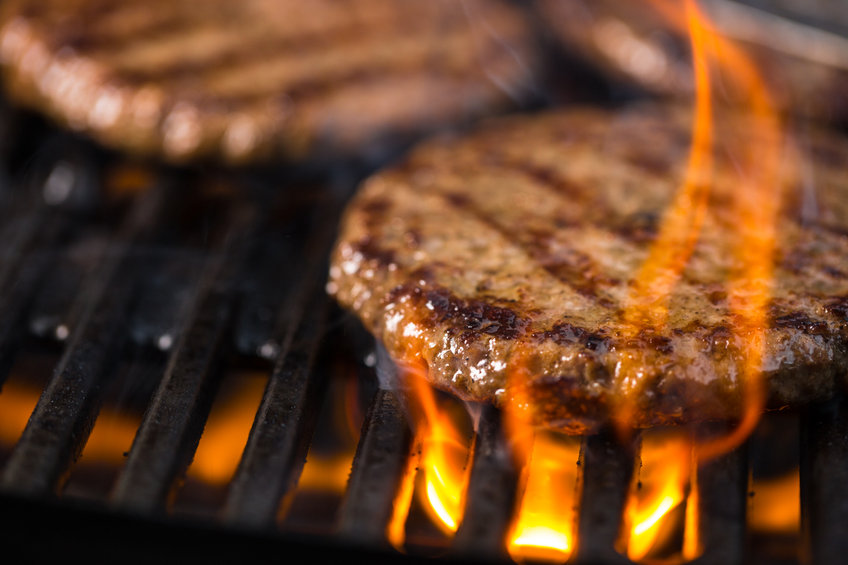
(239, 289)
(176, 277)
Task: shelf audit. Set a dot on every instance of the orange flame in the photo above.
(664, 483)
(647, 304)
(754, 205)
(443, 453)
(396, 528)
(444, 456)
(544, 527)
(681, 224)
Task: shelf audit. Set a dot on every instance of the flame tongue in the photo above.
(664, 484)
(543, 529)
(442, 462)
(749, 210)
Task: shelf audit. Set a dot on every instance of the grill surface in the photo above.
(186, 276)
(181, 275)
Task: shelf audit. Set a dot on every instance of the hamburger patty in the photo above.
(263, 78)
(631, 43)
(511, 251)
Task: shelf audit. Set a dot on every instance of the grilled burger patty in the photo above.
(511, 252)
(262, 78)
(630, 42)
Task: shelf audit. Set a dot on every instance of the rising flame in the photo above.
(754, 205)
(444, 456)
(664, 482)
(544, 526)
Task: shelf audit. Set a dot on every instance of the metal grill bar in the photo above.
(50, 314)
(377, 471)
(270, 281)
(722, 490)
(278, 442)
(30, 238)
(607, 468)
(722, 506)
(491, 492)
(282, 430)
(164, 300)
(173, 423)
(65, 413)
(824, 483)
(16, 297)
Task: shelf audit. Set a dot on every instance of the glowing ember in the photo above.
(226, 432)
(776, 506)
(112, 435)
(544, 526)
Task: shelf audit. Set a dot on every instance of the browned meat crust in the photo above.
(529, 232)
(259, 79)
(631, 43)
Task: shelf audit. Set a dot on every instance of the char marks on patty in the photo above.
(511, 251)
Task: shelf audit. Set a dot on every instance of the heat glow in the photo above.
(543, 528)
(665, 482)
(441, 452)
(544, 524)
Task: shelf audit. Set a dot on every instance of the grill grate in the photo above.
(248, 286)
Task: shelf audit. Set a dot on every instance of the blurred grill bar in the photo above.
(65, 413)
(279, 439)
(376, 473)
(824, 482)
(173, 423)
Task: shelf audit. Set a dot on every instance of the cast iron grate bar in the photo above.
(49, 315)
(18, 296)
(173, 423)
(607, 468)
(165, 297)
(722, 507)
(267, 284)
(491, 492)
(31, 237)
(824, 483)
(65, 412)
(376, 473)
(282, 429)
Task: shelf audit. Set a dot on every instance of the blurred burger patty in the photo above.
(260, 79)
